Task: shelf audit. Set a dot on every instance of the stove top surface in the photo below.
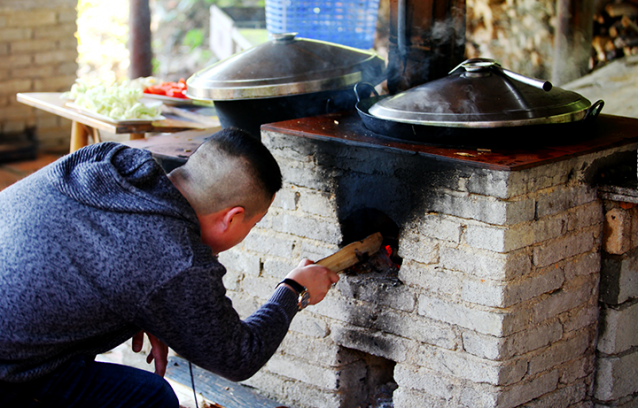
(524, 148)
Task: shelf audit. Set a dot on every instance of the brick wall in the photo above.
(38, 52)
(617, 350)
(497, 299)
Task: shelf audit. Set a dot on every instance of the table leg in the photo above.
(136, 136)
(95, 133)
(79, 136)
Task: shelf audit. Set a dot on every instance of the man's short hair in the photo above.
(232, 168)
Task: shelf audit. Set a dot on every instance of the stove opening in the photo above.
(378, 385)
(365, 222)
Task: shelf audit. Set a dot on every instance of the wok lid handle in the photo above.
(363, 90)
(482, 65)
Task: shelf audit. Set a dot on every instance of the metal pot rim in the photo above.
(237, 91)
(483, 95)
(285, 66)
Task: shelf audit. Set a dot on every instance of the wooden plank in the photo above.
(214, 388)
(52, 103)
(352, 253)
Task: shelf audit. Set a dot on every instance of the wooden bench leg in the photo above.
(136, 136)
(79, 136)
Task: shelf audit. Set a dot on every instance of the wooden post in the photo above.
(573, 39)
(141, 54)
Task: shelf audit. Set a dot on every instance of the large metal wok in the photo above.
(478, 104)
(285, 78)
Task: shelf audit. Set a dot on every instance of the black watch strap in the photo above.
(293, 284)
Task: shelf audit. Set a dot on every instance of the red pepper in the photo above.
(171, 89)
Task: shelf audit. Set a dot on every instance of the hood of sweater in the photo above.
(115, 177)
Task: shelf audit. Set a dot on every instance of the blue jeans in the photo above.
(86, 383)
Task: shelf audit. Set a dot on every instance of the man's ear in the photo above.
(232, 216)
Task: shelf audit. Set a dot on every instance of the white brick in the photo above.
(565, 247)
(259, 287)
(581, 317)
(232, 280)
(585, 215)
(309, 325)
(419, 378)
(317, 351)
(585, 264)
(491, 322)
(315, 251)
(491, 182)
(574, 293)
(479, 396)
(506, 239)
(408, 398)
(286, 198)
(420, 329)
(318, 203)
(616, 377)
(619, 278)
(430, 278)
(502, 348)
(578, 370)
(438, 226)
(291, 392)
(300, 370)
(269, 244)
(277, 269)
(485, 264)
(563, 198)
(561, 352)
(482, 208)
(419, 248)
(378, 344)
(620, 331)
(240, 261)
(307, 227)
(561, 398)
(300, 395)
(462, 365)
(498, 294)
(529, 390)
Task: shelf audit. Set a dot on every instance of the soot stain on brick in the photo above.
(401, 184)
(356, 337)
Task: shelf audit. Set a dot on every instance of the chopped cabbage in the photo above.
(116, 101)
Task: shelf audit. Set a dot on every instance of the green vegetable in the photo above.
(117, 101)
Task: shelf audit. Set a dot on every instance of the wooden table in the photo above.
(84, 126)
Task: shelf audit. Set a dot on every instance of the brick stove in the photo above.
(495, 303)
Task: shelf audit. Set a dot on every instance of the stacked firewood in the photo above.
(615, 31)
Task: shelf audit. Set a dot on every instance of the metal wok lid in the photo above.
(285, 66)
(479, 93)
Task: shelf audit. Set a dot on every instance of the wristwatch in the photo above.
(304, 296)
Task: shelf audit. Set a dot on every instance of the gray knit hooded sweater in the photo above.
(100, 245)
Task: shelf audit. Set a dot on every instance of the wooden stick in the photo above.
(352, 253)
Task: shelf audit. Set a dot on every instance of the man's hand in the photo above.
(316, 278)
(159, 351)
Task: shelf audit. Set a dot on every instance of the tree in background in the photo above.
(179, 34)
